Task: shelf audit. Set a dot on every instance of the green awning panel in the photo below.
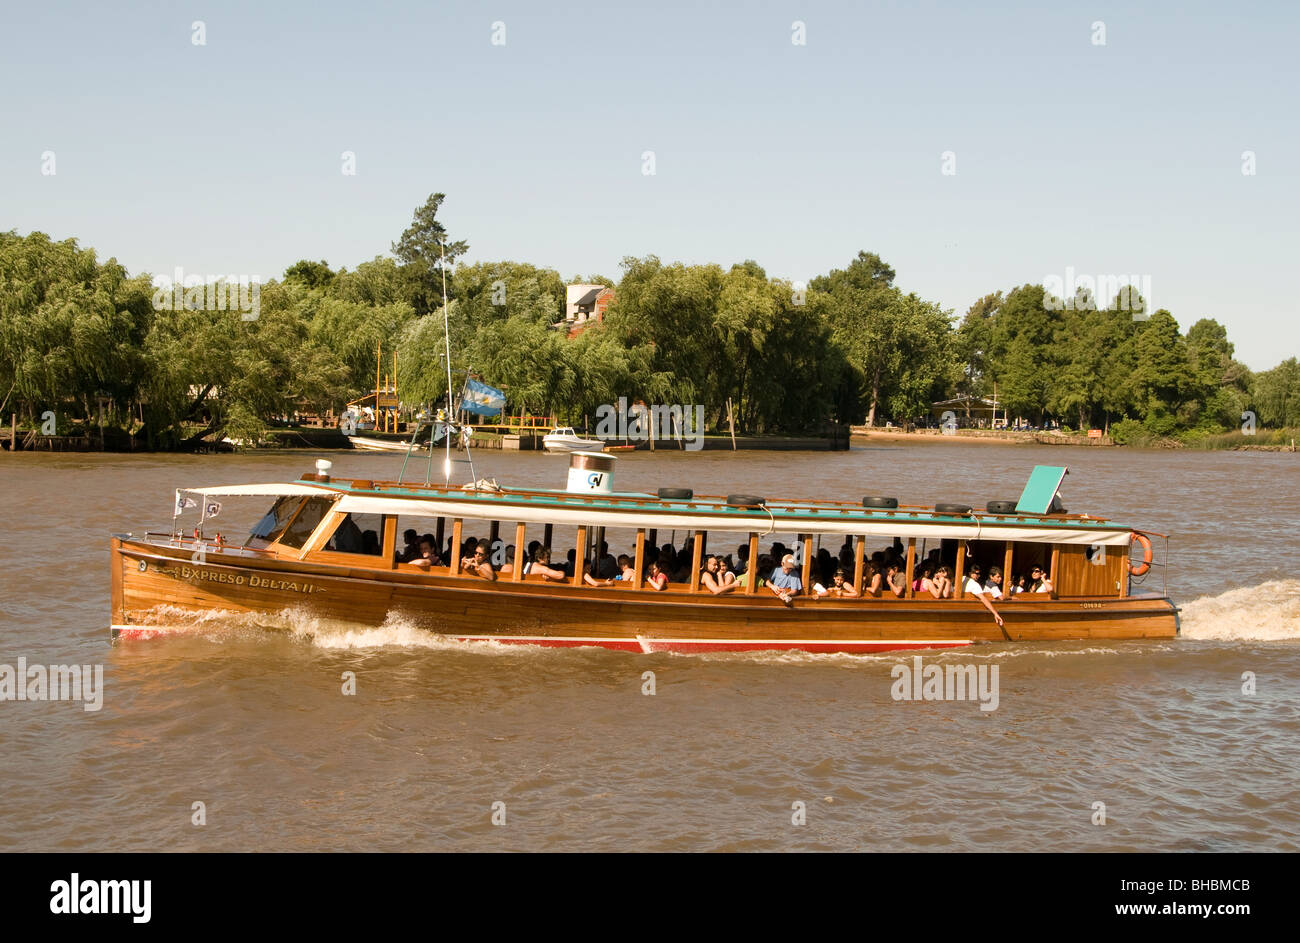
(1040, 489)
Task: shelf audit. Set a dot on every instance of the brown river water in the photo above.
(248, 717)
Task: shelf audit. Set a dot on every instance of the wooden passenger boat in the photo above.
(305, 555)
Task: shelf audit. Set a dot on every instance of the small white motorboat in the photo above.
(564, 439)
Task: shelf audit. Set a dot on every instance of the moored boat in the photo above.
(332, 547)
(564, 439)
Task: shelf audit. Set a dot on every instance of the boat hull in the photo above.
(561, 444)
(148, 579)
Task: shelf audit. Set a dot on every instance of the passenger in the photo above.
(873, 581)
(542, 567)
(411, 550)
(479, 564)
(348, 538)
(895, 579)
(533, 547)
(929, 583)
(1041, 583)
(943, 582)
(709, 574)
(784, 583)
(667, 558)
(681, 573)
(742, 558)
(570, 563)
(607, 566)
(924, 577)
(824, 565)
(976, 589)
(657, 579)
(591, 576)
(1017, 585)
(626, 571)
(993, 585)
(709, 577)
(509, 565)
(846, 561)
(839, 586)
(428, 556)
(755, 573)
(370, 543)
(725, 576)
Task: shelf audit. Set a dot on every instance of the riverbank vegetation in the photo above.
(89, 343)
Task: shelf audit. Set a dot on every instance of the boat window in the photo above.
(274, 521)
(358, 533)
(296, 534)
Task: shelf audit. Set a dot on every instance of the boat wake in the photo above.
(1268, 612)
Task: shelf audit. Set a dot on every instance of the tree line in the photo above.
(85, 340)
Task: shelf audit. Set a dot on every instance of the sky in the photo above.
(974, 146)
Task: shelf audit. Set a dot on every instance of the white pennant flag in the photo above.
(183, 502)
(213, 509)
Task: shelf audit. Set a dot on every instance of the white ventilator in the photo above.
(591, 473)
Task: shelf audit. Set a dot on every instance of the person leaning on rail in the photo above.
(784, 583)
(479, 564)
(975, 588)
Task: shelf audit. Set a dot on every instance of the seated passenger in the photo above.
(347, 539)
(606, 565)
(370, 543)
(657, 578)
(924, 576)
(428, 556)
(975, 588)
(823, 566)
(570, 562)
(943, 582)
(840, 586)
(1041, 583)
(742, 559)
(709, 577)
(479, 564)
(591, 576)
(930, 583)
(726, 578)
(873, 580)
(509, 565)
(784, 582)
(993, 585)
(533, 547)
(542, 567)
(626, 571)
(1017, 585)
(895, 579)
(411, 550)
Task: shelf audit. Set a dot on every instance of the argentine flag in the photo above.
(481, 399)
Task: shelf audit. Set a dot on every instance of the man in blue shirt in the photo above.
(784, 582)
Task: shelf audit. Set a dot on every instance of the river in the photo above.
(241, 724)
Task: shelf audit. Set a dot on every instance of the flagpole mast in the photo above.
(446, 334)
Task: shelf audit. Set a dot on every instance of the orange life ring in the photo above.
(1141, 568)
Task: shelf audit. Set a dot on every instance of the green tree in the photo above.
(423, 249)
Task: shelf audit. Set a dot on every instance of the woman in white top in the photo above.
(1041, 583)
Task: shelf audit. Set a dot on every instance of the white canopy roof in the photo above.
(755, 520)
(275, 490)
